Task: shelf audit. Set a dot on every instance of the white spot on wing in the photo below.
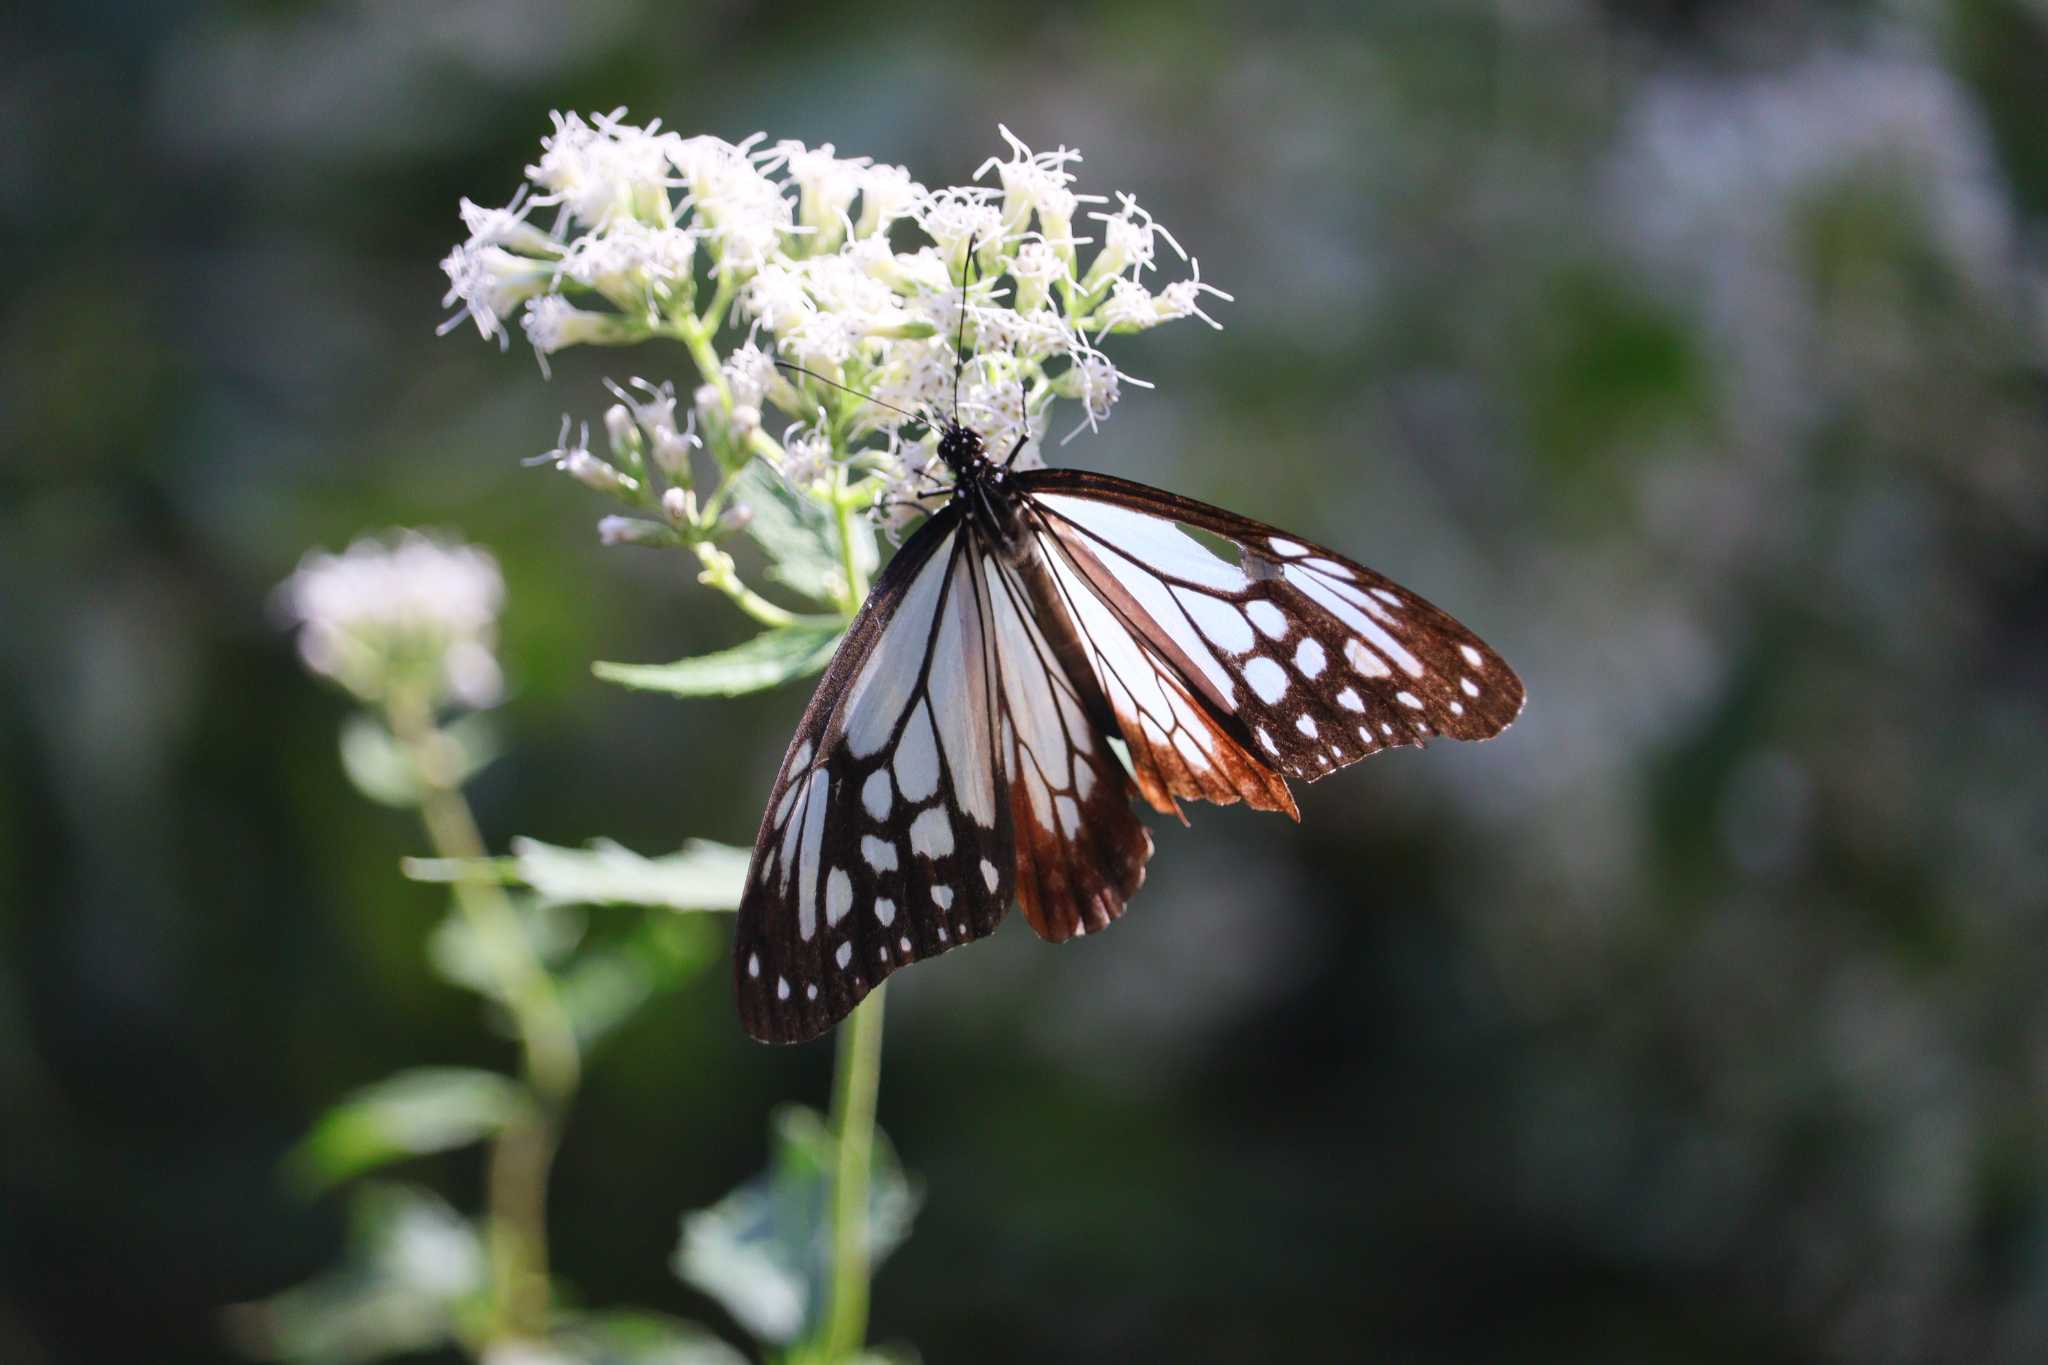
(1070, 816)
(885, 911)
(839, 894)
(942, 896)
(1154, 540)
(1364, 661)
(1267, 617)
(879, 853)
(1329, 599)
(1287, 548)
(875, 701)
(931, 834)
(843, 956)
(1221, 621)
(957, 701)
(1267, 678)
(753, 964)
(1331, 567)
(1468, 687)
(782, 988)
(812, 847)
(989, 875)
(788, 799)
(1471, 655)
(1409, 700)
(916, 763)
(1310, 658)
(875, 794)
(1350, 700)
(1306, 724)
(1265, 740)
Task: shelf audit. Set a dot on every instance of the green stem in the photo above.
(718, 573)
(842, 521)
(857, 1077)
(522, 1153)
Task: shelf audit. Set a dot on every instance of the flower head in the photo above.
(994, 317)
(409, 611)
(605, 170)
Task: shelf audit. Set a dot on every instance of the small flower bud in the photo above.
(592, 472)
(672, 452)
(679, 505)
(623, 433)
(633, 531)
(735, 518)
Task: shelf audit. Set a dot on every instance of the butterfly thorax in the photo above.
(962, 451)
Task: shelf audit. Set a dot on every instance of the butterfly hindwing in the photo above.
(888, 833)
(1307, 660)
(1081, 849)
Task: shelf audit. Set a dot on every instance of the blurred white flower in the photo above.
(404, 611)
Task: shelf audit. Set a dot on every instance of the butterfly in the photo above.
(1047, 646)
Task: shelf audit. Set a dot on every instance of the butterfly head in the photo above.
(960, 448)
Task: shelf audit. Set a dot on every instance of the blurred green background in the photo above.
(1691, 352)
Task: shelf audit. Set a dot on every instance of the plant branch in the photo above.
(856, 1079)
(522, 1153)
(718, 573)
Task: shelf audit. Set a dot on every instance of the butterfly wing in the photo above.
(1081, 850)
(1229, 673)
(888, 833)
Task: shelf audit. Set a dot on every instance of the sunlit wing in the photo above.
(1081, 850)
(1276, 657)
(961, 747)
(888, 835)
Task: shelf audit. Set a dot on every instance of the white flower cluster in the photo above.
(796, 250)
(405, 611)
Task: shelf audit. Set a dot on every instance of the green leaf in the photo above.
(376, 764)
(607, 985)
(553, 931)
(768, 660)
(381, 769)
(431, 1109)
(636, 1338)
(412, 1275)
(764, 1251)
(799, 536)
(701, 876)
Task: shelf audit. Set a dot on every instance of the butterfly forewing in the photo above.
(1307, 660)
(887, 837)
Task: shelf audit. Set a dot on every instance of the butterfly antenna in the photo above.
(789, 365)
(960, 338)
